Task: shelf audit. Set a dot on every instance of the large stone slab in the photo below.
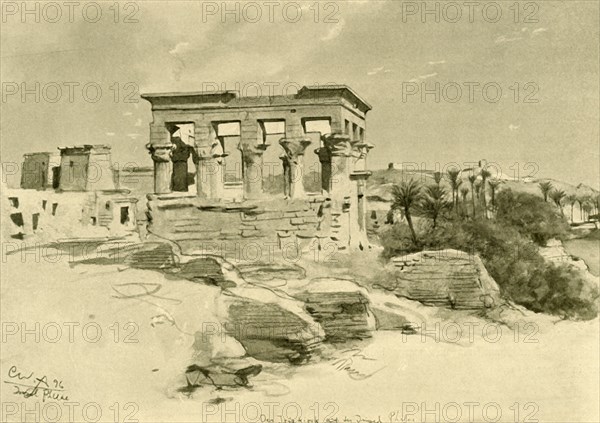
(340, 306)
(446, 278)
(270, 326)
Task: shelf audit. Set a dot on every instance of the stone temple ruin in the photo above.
(72, 193)
(223, 210)
(213, 179)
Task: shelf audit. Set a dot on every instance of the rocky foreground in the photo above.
(277, 312)
(216, 331)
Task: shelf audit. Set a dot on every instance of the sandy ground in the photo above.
(392, 377)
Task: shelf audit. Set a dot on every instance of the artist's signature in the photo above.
(347, 364)
(28, 384)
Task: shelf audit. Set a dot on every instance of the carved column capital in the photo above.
(294, 147)
(160, 153)
(251, 152)
(338, 144)
(204, 153)
(362, 148)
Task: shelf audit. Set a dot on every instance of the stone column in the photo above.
(285, 161)
(209, 176)
(294, 150)
(340, 151)
(163, 167)
(325, 159)
(210, 163)
(252, 172)
(358, 215)
(360, 179)
(252, 148)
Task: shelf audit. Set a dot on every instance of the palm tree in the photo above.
(464, 191)
(458, 185)
(434, 203)
(580, 201)
(587, 208)
(557, 196)
(406, 196)
(545, 188)
(472, 179)
(571, 199)
(589, 200)
(494, 184)
(485, 174)
(454, 184)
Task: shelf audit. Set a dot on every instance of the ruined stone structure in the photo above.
(75, 194)
(342, 152)
(85, 168)
(40, 170)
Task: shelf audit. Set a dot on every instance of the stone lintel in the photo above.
(360, 175)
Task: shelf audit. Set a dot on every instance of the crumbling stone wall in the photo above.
(228, 229)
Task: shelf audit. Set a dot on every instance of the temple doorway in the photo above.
(182, 138)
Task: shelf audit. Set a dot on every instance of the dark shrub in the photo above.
(397, 240)
(531, 215)
(508, 247)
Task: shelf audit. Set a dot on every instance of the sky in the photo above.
(538, 115)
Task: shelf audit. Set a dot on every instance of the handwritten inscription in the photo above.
(28, 384)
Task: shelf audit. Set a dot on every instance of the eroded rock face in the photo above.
(340, 306)
(445, 278)
(271, 327)
(394, 313)
(204, 270)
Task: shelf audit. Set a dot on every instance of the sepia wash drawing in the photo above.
(256, 263)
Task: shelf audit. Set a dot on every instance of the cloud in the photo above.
(504, 39)
(513, 127)
(423, 77)
(133, 136)
(180, 48)
(519, 35)
(335, 31)
(429, 75)
(380, 69)
(516, 36)
(127, 113)
(110, 134)
(375, 71)
(177, 52)
(439, 62)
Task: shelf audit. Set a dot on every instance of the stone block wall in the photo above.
(230, 228)
(49, 215)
